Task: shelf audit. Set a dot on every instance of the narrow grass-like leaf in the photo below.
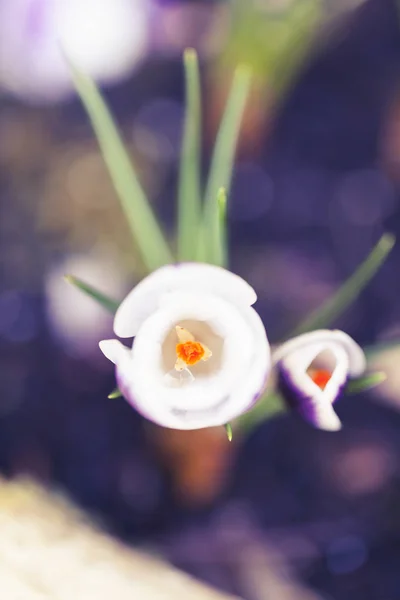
(348, 292)
(272, 403)
(222, 161)
(221, 255)
(114, 394)
(106, 302)
(145, 229)
(189, 191)
(228, 429)
(365, 383)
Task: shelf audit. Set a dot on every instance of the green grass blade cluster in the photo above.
(201, 232)
(202, 224)
(145, 229)
(220, 175)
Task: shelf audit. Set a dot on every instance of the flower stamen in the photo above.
(189, 351)
(320, 377)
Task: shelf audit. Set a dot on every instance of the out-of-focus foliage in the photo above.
(273, 37)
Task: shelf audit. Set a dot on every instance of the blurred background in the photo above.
(317, 181)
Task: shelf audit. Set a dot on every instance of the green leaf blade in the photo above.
(350, 290)
(222, 161)
(363, 384)
(221, 250)
(116, 393)
(229, 433)
(143, 224)
(108, 303)
(189, 189)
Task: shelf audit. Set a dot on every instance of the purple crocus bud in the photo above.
(200, 356)
(311, 387)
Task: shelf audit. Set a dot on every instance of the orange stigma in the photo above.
(320, 377)
(190, 352)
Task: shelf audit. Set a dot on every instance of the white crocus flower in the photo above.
(313, 371)
(200, 356)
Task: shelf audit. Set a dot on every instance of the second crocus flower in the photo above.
(313, 370)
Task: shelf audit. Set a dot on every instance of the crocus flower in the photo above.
(200, 355)
(311, 389)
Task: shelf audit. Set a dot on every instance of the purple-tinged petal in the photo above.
(302, 393)
(318, 412)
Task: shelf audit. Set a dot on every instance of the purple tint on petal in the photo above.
(260, 392)
(35, 19)
(183, 263)
(127, 394)
(297, 400)
(340, 391)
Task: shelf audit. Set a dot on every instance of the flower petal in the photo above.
(113, 350)
(246, 394)
(183, 335)
(304, 396)
(357, 360)
(317, 412)
(210, 400)
(300, 391)
(223, 318)
(144, 299)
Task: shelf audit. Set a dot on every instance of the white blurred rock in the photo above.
(77, 320)
(49, 550)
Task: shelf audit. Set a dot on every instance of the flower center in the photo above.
(189, 351)
(320, 377)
